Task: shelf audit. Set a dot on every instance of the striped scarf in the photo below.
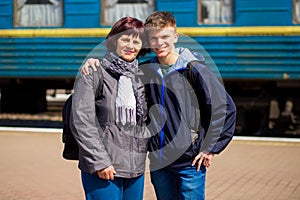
(128, 104)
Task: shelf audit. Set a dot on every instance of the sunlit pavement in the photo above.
(32, 169)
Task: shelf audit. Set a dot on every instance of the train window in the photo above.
(38, 13)
(113, 10)
(215, 11)
(296, 11)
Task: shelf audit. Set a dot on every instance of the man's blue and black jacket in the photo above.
(189, 110)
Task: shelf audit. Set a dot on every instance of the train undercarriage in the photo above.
(265, 108)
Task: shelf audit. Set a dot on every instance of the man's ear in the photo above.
(176, 36)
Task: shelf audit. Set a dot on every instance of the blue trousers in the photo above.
(96, 188)
(183, 183)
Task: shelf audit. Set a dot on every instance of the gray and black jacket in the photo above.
(101, 141)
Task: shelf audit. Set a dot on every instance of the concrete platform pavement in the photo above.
(32, 169)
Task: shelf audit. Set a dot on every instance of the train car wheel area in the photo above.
(266, 110)
(23, 100)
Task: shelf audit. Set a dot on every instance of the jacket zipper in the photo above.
(162, 132)
(162, 98)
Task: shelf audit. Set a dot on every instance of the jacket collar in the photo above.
(185, 56)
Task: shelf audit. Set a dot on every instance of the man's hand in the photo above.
(204, 158)
(107, 173)
(91, 62)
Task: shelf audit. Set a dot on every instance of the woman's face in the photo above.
(128, 47)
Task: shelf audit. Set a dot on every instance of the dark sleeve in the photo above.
(218, 111)
(85, 126)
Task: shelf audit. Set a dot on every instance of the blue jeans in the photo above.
(183, 183)
(96, 188)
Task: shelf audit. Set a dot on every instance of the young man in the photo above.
(183, 147)
(191, 116)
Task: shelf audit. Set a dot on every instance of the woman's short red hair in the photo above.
(128, 26)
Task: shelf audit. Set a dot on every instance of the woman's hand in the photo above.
(107, 173)
(204, 158)
(91, 62)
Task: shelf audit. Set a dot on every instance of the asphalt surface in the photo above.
(32, 169)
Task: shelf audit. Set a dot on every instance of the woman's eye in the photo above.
(125, 40)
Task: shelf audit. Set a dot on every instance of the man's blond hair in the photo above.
(160, 19)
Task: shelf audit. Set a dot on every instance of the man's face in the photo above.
(162, 41)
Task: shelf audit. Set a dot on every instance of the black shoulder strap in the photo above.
(190, 66)
(98, 81)
(190, 76)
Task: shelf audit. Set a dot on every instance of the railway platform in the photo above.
(32, 169)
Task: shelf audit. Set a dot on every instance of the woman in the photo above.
(111, 138)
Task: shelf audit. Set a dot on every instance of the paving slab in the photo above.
(32, 169)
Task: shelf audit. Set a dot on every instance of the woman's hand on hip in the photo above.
(107, 173)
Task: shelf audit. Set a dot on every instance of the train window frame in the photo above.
(58, 8)
(104, 22)
(296, 20)
(219, 22)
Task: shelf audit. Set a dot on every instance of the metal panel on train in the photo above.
(255, 44)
